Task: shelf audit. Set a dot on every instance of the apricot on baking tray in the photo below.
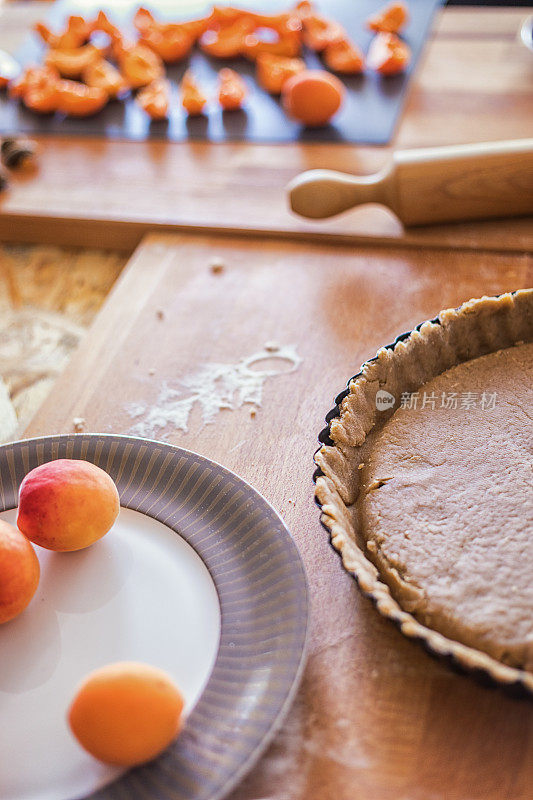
(103, 75)
(313, 97)
(37, 88)
(42, 99)
(171, 44)
(193, 98)
(140, 65)
(318, 30)
(388, 54)
(33, 78)
(71, 63)
(185, 33)
(19, 572)
(126, 713)
(76, 33)
(227, 41)
(154, 99)
(273, 71)
(390, 19)
(344, 57)
(231, 90)
(67, 504)
(288, 45)
(75, 99)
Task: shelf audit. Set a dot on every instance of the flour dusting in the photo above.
(213, 387)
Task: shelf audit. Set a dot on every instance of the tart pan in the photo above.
(474, 329)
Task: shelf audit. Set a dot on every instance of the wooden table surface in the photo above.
(474, 84)
(375, 718)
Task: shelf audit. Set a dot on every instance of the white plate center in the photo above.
(139, 594)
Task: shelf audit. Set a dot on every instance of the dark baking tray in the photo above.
(369, 115)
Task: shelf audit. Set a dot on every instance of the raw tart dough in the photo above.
(446, 505)
(432, 508)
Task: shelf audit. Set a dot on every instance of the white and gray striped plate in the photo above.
(261, 587)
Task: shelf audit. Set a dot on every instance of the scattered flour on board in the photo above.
(213, 387)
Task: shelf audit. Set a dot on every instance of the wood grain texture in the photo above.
(375, 718)
(469, 88)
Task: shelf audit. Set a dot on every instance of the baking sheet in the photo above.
(369, 114)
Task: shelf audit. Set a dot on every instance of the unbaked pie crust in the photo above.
(431, 505)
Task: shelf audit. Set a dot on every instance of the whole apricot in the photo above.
(312, 97)
(19, 572)
(126, 713)
(67, 504)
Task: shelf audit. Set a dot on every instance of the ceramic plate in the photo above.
(198, 576)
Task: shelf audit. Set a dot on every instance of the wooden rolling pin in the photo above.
(439, 184)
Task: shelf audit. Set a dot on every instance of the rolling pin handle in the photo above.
(320, 193)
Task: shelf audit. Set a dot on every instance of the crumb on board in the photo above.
(253, 412)
(151, 371)
(272, 347)
(79, 424)
(217, 265)
(160, 314)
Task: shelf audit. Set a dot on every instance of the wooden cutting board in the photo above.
(376, 718)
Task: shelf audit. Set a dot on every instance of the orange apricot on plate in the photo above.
(231, 90)
(344, 57)
(126, 713)
(390, 19)
(273, 71)
(19, 572)
(67, 504)
(313, 97)
(388, 54)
